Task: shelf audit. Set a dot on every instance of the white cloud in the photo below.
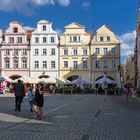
(63, 2)
(127, 41)
(42, 2)
(86, 4)
(29, 28)
(52, 2)
(59, 31)
(27, 6)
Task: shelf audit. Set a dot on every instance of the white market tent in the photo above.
(106, 80)
(30, 80)
(52, 80)
(81, 81)
(49, 80)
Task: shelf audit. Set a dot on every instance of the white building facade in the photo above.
(44, 51)
(1, 34)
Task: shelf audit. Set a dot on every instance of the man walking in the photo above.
(19, 90)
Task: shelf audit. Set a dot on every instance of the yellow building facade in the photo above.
(75, 53)
(105, 55)
(130, 70)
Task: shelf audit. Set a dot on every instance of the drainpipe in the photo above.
(29, 45)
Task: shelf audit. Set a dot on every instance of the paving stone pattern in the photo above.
(72, 117)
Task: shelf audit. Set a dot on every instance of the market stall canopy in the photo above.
(30, 80)
(67, 82)
(2, 79)
(52, 80)
(106, 80)
(81, 81)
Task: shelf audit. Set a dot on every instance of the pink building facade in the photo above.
(15, 52)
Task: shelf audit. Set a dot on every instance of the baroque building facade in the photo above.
(75, 53)
(15, 52)
(44, 50)
(105, 55)
(129, 70)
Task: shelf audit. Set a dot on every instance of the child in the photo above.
(30, 97)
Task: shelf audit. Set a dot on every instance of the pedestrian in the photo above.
(19, 90)
(39, 101)
(126, 92)
(133, 94)
(30, 97)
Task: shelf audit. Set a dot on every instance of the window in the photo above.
(84, 52)
(97, 50)
(85, 64)
(36, 51)
(70, 38)
(74, 52)
(113, 51)
(11, 39)
(19, 40)
(24, 63)
(97, 64)
(108, 38)
(44, 28)
(101, 39)
(74, 38)
(52, 64)
(44, 51)
(36, 64)
(53, 51)
(15, 52)
(7, 64)
(78, 38)
(113, 64)
(7, 52)
(52, 39)
(44, 64)
(65, 64)
(44, 40)
(36, 40)
(15, 64)
(105, 51)
(15, 30)
(24, 52)
(65, 52)
(75, 64)
(105, 64)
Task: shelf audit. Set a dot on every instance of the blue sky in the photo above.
(120, 16)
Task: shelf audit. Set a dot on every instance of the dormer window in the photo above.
(44, 28)
(101, 39)
(108, 38)
(15, 30)
(74, 38)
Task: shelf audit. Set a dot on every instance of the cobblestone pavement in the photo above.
(72, 117)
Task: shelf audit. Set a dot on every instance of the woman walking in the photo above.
(133, 94)
(126, 92)
(39, 101)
